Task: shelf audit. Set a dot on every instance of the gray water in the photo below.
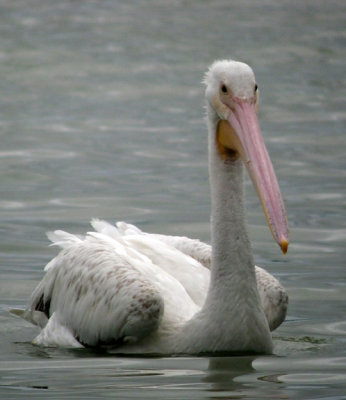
(101, 115)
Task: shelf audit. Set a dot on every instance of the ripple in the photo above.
(312, 378)
(317, 364)
(38, 154)
(332, 328)
(12, 205)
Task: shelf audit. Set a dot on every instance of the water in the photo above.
(101, 115)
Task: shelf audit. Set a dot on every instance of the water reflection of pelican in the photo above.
(223, 371)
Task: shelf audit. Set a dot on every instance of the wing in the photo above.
(177, 256)
(273, 295)
(194, 248)
(103, 291)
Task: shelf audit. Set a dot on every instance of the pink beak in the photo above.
(248, 141)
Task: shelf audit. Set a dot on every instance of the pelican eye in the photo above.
(224, 89)
(256, 87)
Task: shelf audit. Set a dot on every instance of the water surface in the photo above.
(101, 115)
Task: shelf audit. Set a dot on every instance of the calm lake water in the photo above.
(101, 115)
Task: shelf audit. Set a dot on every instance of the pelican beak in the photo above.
(241, 133)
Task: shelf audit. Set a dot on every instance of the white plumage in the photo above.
(147, 293)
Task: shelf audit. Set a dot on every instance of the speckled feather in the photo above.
(103, 290)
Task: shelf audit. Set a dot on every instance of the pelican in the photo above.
(145, 293)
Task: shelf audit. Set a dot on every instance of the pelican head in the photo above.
(233, 98)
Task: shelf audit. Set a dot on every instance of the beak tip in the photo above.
(284, 245)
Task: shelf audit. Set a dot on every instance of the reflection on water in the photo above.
(223, 372)
(220, 377)
(101, 115)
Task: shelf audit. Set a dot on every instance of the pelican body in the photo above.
(145, 293)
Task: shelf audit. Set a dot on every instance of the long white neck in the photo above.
(232, 318)
(232, 259)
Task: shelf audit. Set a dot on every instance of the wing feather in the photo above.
(104, 291)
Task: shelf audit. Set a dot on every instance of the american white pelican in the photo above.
(144, 293)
